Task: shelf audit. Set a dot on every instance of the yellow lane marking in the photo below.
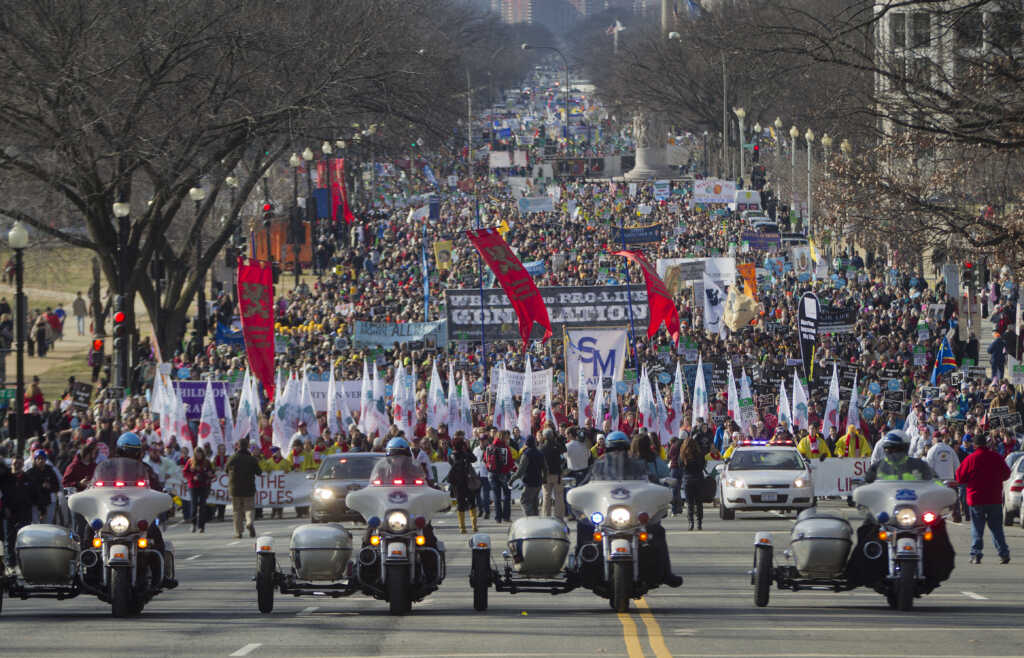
(654, 635)
(629, 634)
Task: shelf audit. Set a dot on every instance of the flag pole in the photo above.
(629, 298)
(426, 274)
(476, 199)
(565, 360)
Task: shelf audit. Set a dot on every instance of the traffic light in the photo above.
(268, 213)
(968, 273)
(120, 326)
(757, 153)
(97, 345)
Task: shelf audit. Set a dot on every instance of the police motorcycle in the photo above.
(902, 550)
(620, 550)
(117, 555)
(400, 560)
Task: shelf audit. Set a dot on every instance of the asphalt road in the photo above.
(213, 612)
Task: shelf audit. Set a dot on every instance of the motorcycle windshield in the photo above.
(618, 466)
(397, 471)
(127, 471)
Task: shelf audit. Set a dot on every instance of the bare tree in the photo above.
(106, 101)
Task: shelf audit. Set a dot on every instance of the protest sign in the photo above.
(600, 306)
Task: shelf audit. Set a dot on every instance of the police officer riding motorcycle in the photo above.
(897, 463)
(616, 464)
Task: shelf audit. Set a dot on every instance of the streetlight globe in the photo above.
(778, 124)
(809, 135)
(845, 147)
(325, 148)
(525, 46)
(740, 113)
(17, 237)
(294, 160)
(757, 127)
(794, 132)
(307, 154)
(197, 193)
(231, 181)
(341, 144)
(675, 36)
(121, 209)
(826, 141)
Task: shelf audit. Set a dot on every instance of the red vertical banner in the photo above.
(659, 301)
(515, 281)
(339, 195)
(256, 304)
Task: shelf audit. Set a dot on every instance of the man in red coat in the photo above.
(983, 473)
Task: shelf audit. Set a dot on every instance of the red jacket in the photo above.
(77, 471)
(983, 471)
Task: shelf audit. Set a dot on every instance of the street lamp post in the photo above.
(121, 211)
(239, 240)
(565, 127)
(793, 134)
(294, 214)
(778, 141)
(326, 149)
(17, 239)
(741, 114)
(197, 194)
(705, 154)
(809, 136)
(845, 148)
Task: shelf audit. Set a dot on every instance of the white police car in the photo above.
(764, 477)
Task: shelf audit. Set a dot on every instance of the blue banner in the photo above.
(535, 267)
(637, 235)
(535, 204)
(389, 333)
(761, 241)
(225, 336)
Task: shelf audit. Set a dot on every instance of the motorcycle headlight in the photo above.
(906, 517)
(619, 516)
(119, 523)
(799, 483)
(737, 483)
(397, 521)
(323, 494)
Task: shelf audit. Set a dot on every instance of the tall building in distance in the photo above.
(561, 15)
(516, 11)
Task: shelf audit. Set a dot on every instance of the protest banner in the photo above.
(602, 352)
(533, 204)
(761, 241)
(714, 190)
(275, 489)
(192, 392)
(636, 234)
(542, 380)
(601, 306)
(388, 334)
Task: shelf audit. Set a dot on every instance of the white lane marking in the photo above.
(189, 559)
(306, 611)
(976, 597)
(247, 649)
(232, 543)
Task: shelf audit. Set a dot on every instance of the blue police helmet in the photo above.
(398, 446)
(129, 445)
(129, 440)
(616, 441)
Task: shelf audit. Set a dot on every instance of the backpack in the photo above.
(496, 458)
